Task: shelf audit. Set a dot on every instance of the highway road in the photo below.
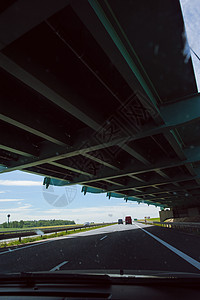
(128, 247)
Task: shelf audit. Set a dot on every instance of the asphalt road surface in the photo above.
(128, 247)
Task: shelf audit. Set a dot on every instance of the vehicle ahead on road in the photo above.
(120, 221)
(128, 220)
(86, 223)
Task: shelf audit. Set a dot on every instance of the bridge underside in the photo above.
(101, 94)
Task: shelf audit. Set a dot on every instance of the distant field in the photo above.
(35, 228)
(152, 219)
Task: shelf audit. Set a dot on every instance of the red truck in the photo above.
(128, 220)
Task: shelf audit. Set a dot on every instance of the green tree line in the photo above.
(34, 223)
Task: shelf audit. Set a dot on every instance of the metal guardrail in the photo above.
(185, 226)
(26, 233)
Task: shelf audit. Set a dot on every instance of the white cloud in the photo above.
(102, 214)
(81, 215)
(10, 200)
(20, 209)
(20, 183)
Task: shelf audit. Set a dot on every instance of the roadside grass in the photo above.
(49, 236)
(154, 219)
(35, 228)
(151, 219)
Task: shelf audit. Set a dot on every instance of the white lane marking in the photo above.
(49, 241)
(186, 257)
(75, 235)
(36, 244)
(103, 238)
(59, 266)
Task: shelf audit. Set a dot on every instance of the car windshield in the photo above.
(99, 131)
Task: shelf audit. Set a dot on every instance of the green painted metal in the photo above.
(52, 181)
(132, 50)
(115, 195)
(192, 154)
(177, 140)
(69, 152)
(50, 93)
(185, 111)
(116, 39)
(87, 189)
(133, 199)
(28, 124)
(2, 167)
(62, 166)
(170, 117)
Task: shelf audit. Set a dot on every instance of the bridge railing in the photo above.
(185, 226)
(5, 235)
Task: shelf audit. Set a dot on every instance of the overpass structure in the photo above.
(101, 93)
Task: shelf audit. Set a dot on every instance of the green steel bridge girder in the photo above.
(191, 114)
(168, 118)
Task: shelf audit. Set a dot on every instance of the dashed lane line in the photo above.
(56, 268)
(103, 238)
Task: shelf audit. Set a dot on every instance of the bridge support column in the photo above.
(166, 214)
(186, 212)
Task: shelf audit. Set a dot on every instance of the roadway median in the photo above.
(17, 237)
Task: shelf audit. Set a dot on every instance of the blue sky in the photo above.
(191, 15)
(23, 196)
